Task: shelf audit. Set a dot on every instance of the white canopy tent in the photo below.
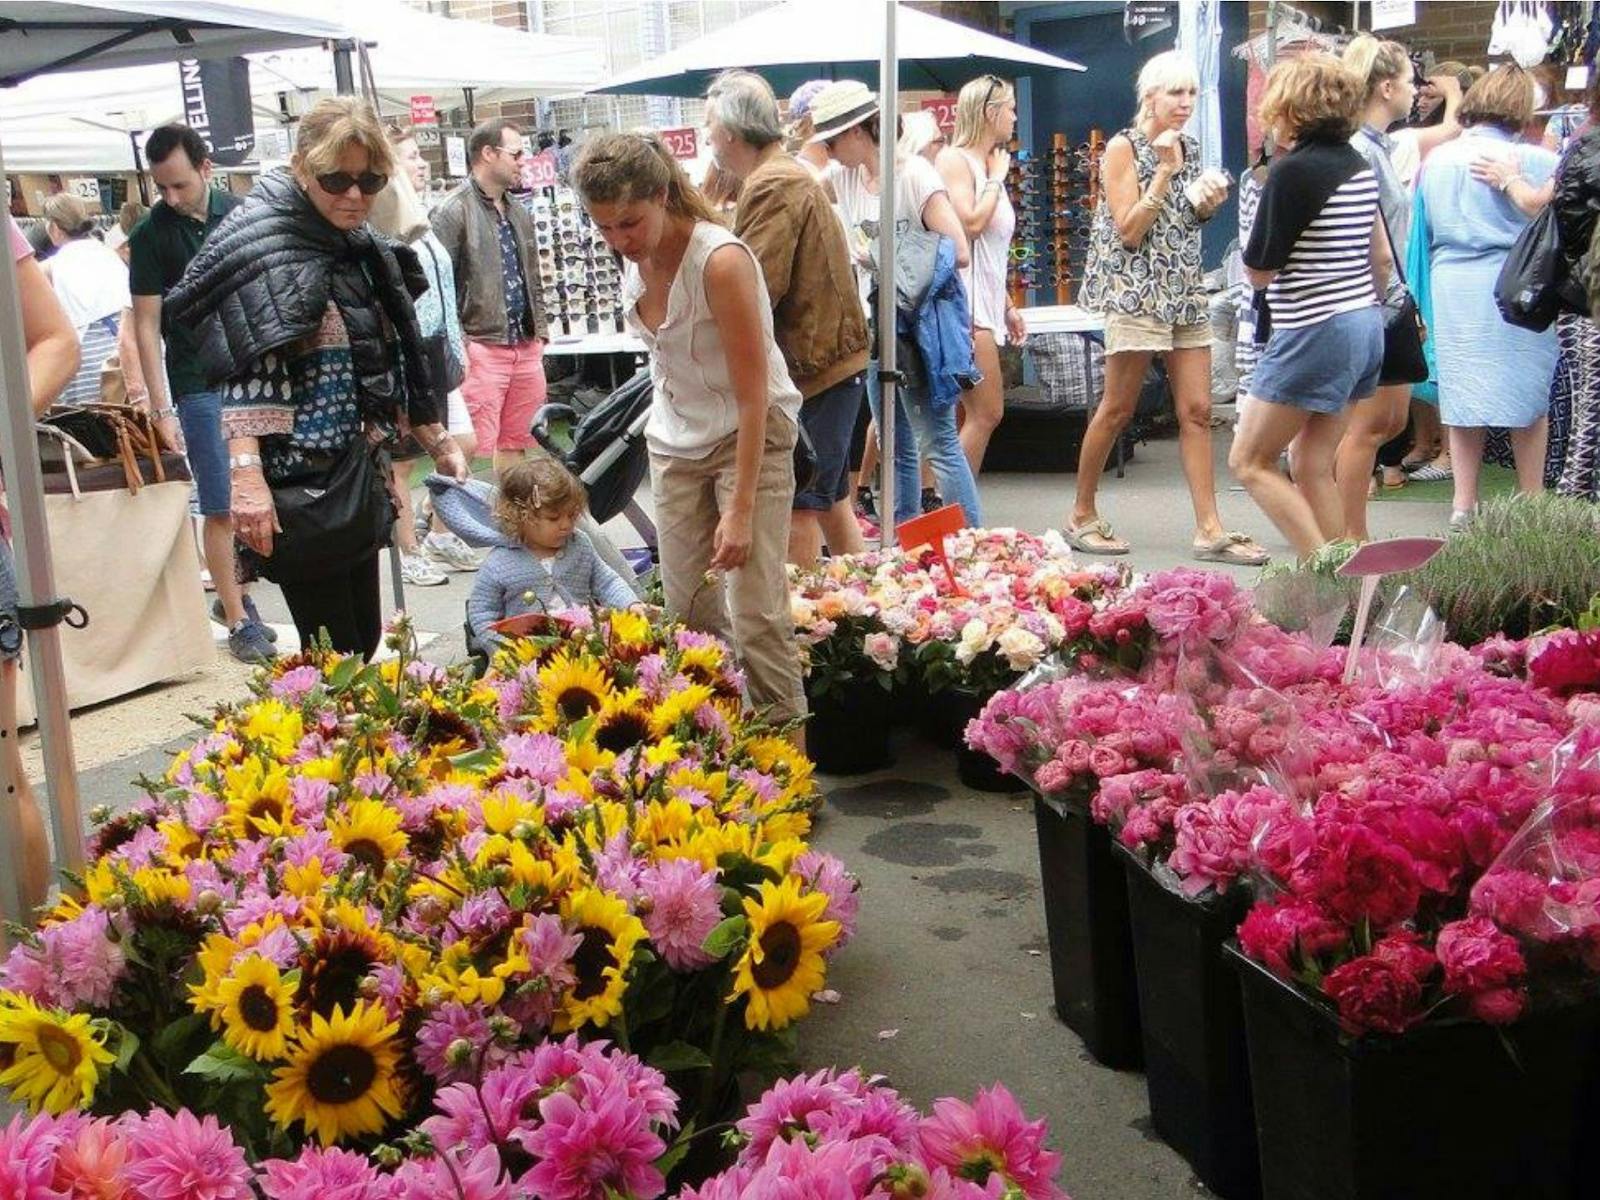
(81, 122)
(36, 38)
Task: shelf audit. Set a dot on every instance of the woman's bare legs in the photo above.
(34, 849)
(1372, 423)
(1265, 431)
(982, 406)
(1528, 448)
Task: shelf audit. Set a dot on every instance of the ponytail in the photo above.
(1375, 62)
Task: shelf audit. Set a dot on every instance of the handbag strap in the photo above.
(1394, 251)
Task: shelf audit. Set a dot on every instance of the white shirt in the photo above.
(694, 408)
(90, 281)
(985, 277)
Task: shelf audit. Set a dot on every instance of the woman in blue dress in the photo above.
(1491, 374)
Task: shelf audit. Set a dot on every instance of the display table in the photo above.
(1061, 318)
(595, 343)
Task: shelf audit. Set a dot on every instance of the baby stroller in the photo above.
(605, 448)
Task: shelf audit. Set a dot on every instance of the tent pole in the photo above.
(888, 108)
(344, 79)
(138, 169)
(19, 459)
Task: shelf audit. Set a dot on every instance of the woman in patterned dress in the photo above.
(1144, 274)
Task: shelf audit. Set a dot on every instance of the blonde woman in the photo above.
(974, 168)
(1385, 72)
(920, 134)
(306, 323)
(724, 418)
(1143, 272)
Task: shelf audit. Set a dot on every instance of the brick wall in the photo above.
(1457, 29)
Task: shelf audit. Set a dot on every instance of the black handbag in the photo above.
(1403, 330)
(1535, 286)
(331, 517)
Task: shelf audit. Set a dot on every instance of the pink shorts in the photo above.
(503, 389)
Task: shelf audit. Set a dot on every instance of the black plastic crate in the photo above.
(1452, 1109)
(1197, 1071)
(1091, 947)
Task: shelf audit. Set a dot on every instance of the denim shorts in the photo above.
(200, 416)
(10, 631)
(829, 418)
(1321, 368)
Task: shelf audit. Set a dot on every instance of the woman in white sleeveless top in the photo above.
(724, 417)
(974, 167)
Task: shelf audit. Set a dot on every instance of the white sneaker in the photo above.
(418, 571)
(450, 552)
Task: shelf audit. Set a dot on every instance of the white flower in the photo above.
(883, 649)
(974, 641)
(1022, 649)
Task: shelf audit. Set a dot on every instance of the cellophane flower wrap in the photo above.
(367, 884)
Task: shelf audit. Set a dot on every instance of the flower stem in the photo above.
(718, 1068)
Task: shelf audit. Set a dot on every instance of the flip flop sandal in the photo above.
(1236, 549)
(1109, 543)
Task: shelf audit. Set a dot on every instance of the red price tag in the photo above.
(423, 111)
(682, 143)
(943, 109)
(539, 170)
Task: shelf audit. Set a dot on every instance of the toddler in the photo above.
(543, 561)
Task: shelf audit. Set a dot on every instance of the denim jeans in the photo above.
(919, 427)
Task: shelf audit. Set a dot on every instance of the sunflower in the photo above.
(571, 689)
(701, 663)
(333, 968)
(256, 1008)
(55, 1058)
(624, 722)
(369, 831)
(678, 707)
(782, 965)
(258, 800)
(340, 1079)
(629, 630)
(609, 933)
(275, 726)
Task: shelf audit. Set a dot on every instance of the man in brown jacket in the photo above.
(786, 219)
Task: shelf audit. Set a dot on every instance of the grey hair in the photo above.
(743, 103)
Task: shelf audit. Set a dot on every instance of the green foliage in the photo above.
(1524, 562)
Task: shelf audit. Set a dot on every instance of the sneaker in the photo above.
(250, 614)
(249, 642)
(931, 500)
(1459, 520)
(1432, 473)
(866, 505)
(422, 516)
(420, 571)
(450, 552)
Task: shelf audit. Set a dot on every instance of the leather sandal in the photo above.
(1234, 548)
(1108, 543)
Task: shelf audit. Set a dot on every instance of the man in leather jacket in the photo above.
(492, 247)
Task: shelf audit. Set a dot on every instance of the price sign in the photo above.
(684, 144)
(455, 153)
(1391, 14)
(943, 109)
(423, 111)
(426, 135)
(539, 170)
(85, 187)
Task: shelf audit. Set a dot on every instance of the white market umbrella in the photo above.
(35, 38)
(834, 39)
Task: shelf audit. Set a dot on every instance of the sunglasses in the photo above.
(513, 153)
(336, 183)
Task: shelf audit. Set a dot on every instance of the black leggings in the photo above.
(345, 602)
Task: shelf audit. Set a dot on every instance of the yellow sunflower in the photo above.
(340, 1080)
(701, 663)
(609, 932)
(56, 1059)
(258, 800)
(629, 629)
(783, 964)
(679, 707)
(275, 726)
(624, 723)
(255, 1007)
(369, 831)
(571, 689)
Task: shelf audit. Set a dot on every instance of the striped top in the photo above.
(1314, 228)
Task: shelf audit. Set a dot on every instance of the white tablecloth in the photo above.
(596, 343)
(1062, 318)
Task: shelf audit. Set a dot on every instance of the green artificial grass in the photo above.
(1492, 482)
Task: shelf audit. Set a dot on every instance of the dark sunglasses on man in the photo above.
(336, 183)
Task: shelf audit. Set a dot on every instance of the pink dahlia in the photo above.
(825, 873)
(592, 1151)
(28, 1151)
(91, 1162)
(445, 1025)
(324, 1174)
(991, 1137)
(685, 904)
(464, 1177)
(539, 756)
(794, 1106)
(179, 1155)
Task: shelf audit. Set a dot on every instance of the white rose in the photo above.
(1022, 649)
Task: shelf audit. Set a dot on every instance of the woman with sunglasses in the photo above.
(974, 168)
(306, 323)
(1143, 272)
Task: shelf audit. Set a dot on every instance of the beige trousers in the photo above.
(690, 494)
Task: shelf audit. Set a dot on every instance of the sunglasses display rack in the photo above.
(1055, 195)
(579, 273)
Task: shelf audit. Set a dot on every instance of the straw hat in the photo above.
(840, 106)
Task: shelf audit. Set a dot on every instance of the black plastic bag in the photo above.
(1535, 286)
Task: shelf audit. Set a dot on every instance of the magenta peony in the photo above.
(1374, 995)
(1284, 935)
(1484, 965)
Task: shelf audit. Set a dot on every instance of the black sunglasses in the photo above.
(336, 183)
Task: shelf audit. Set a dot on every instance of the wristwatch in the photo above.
(238, 462)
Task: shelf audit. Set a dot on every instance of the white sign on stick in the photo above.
(455, 152)
(1391, 14)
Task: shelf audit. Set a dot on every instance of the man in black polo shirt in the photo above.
(159, 248)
